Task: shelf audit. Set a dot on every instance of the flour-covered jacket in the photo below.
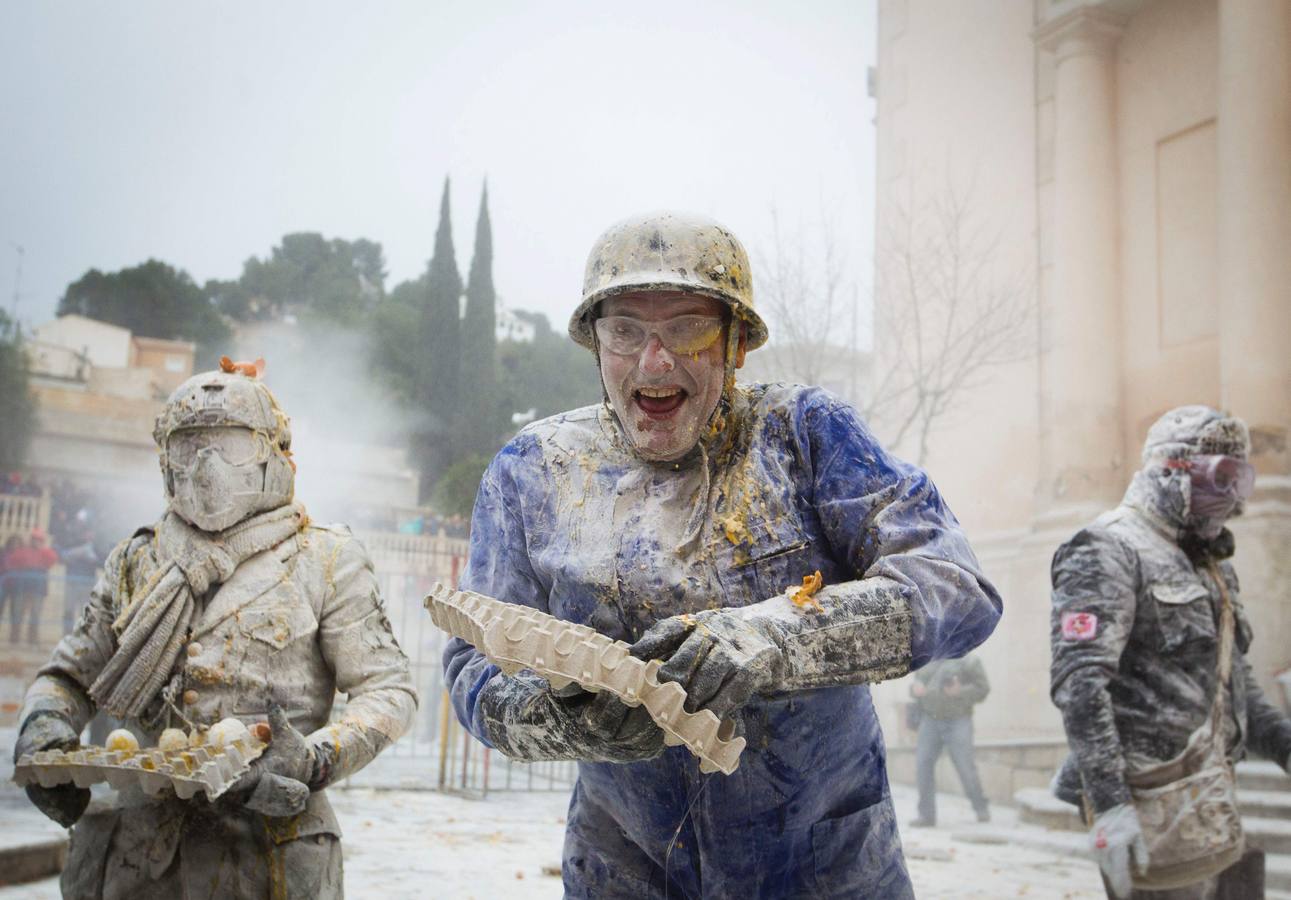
(291, 626)
(1134, 635)
(570, 521)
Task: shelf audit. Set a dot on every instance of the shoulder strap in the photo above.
(1224, 662)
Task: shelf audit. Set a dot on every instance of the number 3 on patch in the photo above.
(1079, 626)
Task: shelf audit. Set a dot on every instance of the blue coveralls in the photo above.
(570, 521)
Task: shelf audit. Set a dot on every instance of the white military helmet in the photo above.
(667, 251)
(261, 476)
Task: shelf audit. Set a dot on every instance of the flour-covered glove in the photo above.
(722, 657)
(1118, 842)
(277, 784)
(525, 719)
(49, 730)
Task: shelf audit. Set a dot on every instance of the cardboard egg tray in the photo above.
(515, 637)
(186, 772)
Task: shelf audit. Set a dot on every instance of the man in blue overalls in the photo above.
(674, 515)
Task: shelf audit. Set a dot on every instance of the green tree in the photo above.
(17, 403)
(456, 489)
(549, 374)
(396, 340)
(309, 276)
(488, 420)
(152, 300)
(436, 395)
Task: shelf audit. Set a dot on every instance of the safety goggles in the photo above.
(680, 335)
(1219, 474)
(236, 446)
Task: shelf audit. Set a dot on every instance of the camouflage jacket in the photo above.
(1134, 635)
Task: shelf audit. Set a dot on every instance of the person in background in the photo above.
(946, 690)
(1150, 636)
(28, 567)
(8, 583)
(81, 561)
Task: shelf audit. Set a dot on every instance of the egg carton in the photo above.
(515, 637)
(206, 769)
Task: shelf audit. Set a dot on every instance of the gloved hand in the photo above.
(277, 784)
(48, 730)
(722, 657)
(1117, 839)
(527, 720)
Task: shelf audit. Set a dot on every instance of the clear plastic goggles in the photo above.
(680, 335)
(1220, 474)
(236, 446)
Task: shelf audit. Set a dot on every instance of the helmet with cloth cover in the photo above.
(668, 252)
(208, 419)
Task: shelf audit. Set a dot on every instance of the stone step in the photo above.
(1262, 833)
(1036, 806)
(1270, 835)
(32, 860)
(1262, 775)
(1265, 804)
(1277, 876)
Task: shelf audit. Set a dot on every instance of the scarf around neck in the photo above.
(154, 622)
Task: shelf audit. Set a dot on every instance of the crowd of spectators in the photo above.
(431, 524)
(26, 559)
(421, 522)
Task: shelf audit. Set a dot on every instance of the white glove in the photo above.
(1116, 838)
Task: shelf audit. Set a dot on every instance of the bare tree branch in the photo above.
(946, 314)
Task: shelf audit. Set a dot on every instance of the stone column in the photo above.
(1254, 148)
(1080, 369)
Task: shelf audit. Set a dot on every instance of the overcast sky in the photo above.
(199, 134)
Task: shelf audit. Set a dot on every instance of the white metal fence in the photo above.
(437, 753)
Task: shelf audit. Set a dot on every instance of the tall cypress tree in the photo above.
(438, 389)
(479, 337)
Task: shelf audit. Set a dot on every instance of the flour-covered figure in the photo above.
(675, 515)
(1149, 638)
(233, 605)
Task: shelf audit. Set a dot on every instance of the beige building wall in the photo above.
(103, 344)
(171, 362)
(1139, 154)
(1167, 72)
(956, 113)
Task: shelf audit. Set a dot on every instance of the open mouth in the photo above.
(659, 401)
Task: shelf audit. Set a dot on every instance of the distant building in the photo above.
(108, 359)
(515, 325)
(1134, 157)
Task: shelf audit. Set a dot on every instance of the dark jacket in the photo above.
(1134, 637)
(973, 687)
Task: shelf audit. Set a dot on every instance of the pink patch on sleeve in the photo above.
(1079, 626)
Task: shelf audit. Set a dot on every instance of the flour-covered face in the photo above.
(662, 362)
(216, 476)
